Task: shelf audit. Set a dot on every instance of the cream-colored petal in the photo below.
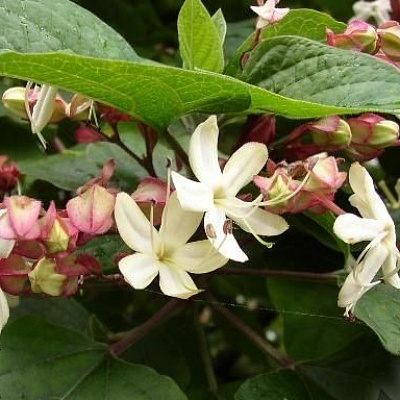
(139, 270)
(4, 310)
(6, 247)
(241, 167)
(176, 283)
(177, 225)
(217, 230)
(193, 196)
(389, 271)
(198, 257)
(203, 152)
(363, 186)
(353, 229)
(253, 219)
(133, 226)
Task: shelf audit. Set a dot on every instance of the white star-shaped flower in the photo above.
(375, 226)
(379, 10)
(268, 13)
(164, 252)
(216, 192)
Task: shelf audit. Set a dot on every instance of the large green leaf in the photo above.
(306, 23)
(39, 26)
(73, 167)
(308, 70)
(40, 361)
(200, 42)
(314, 326)
(380, 310)
(158, 95)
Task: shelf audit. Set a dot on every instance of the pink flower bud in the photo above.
(151, 192)
(331, 132)
(260, 128)
(87, 134)
(20, 221)
(359, 36)
(91, 212)
(14, 272)
(373, 131)
(389, 39)
(9, 175)
(112, 115)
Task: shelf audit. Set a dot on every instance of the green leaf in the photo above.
(219, 21)
(41, 361)
(314, 325)
(73, 167)
(304, 69)
(158, 95)
(283, 384)
(200, 41)
(306, 23)
(40, 26)
(379, 308)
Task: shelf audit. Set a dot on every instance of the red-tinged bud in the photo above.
(359, 36)
(112, 115)
(9, 175)
(383, 57)
(14, 272)
(389, 39)
(91, 212)
(373, 131)
(259, 128)
(78, 109)
(325, 177)
(88, 134)
(331, 132)
(20, 221)
(44, 278)
(151, 192)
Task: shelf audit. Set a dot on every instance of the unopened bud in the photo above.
(45, 279)
(389, 39)
(331, 132)
(374, 131)
(14, 274)
(78, 109)
(359, 36)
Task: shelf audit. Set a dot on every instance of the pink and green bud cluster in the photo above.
(389, 39)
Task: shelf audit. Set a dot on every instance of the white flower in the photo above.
(376, 226)
(379, 10)
(216, 192)
(164, 252)
(4, 310)
(268, 13)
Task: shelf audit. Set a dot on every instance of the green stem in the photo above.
(205, 354)
(138, 333)
(261, 343)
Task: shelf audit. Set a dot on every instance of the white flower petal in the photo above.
(193, 196)
(389, 271)
(176, 283)
(133, 226)
(4, 310)
(139, 270)
(363, 187)
(203, 152)
(177, 225)
(220, 237)
(241, 167)
(198, 257)
(253, 219)
(353, 229)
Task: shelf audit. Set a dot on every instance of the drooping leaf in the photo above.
(200, 41)
(379, 308)
(158, 95)
(306, 23)
(304, 69)
(42, 361)
(42, 26)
